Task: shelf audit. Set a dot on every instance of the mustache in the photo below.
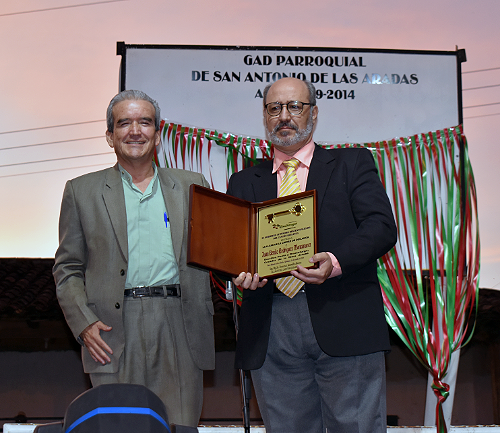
(283, 125)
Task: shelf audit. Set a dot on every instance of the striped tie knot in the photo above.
(291, 163)
(290, 183)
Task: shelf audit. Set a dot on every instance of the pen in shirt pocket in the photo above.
(165, 217)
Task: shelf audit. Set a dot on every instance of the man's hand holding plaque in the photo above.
(318, 275)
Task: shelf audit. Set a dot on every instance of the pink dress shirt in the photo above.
(304, 155)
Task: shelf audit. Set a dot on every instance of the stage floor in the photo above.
(28, 428)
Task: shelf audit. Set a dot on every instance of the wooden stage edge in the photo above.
(28, 428)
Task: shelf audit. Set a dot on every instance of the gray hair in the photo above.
(310, 88)
(126, 95)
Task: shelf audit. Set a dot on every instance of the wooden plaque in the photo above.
(229, 235)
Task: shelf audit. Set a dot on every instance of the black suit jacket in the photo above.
(355, 224)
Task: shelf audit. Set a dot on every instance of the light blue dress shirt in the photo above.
(151, 260)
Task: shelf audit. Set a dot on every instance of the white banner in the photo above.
(362, 95)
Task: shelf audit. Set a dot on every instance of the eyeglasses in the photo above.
(293, 107)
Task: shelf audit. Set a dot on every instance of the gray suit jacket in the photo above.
(91, 262)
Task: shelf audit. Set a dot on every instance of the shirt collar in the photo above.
(304, 155)
(128, 178)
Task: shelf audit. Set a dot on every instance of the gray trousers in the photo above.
(301, 389)
(157, 355)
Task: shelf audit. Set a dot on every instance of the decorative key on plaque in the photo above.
(297, 209)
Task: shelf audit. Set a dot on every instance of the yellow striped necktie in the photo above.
(289, 185)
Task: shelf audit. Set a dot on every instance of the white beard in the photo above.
(300, 134)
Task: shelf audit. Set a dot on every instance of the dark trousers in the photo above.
(301, 389)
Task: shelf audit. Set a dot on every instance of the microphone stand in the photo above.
(246, 390)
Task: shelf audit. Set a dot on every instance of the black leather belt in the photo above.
(154, 291)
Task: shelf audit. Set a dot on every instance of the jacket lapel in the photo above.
(320, 171)
(264, 182)
(114, 200)
(174, 202)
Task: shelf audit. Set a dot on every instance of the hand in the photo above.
(96, 346)
(246, 281)
(320, 274)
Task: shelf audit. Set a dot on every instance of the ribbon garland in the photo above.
(429, 280)
(183, 147)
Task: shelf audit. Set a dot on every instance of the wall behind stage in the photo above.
(43, 384)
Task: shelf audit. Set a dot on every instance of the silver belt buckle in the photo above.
(141, 295)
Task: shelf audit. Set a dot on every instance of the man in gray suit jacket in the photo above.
(142, 315)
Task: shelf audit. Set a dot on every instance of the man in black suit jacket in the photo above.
(317, 359)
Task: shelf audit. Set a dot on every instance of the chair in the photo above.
(115, 408)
